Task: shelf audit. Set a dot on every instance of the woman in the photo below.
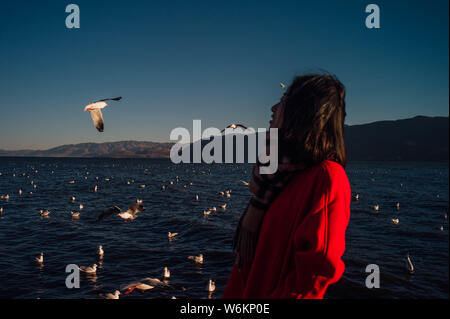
(290, 239)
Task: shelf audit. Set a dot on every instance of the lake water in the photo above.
(139, 249)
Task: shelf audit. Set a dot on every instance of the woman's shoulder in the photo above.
(332, 169)
(326, 175)
(335, 177)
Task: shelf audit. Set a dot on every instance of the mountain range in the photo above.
(420, 138)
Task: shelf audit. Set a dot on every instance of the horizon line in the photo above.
(173, 142)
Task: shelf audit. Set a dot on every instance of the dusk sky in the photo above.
(218, 61)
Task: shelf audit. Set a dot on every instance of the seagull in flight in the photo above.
(233, 126)
(129, 214)
(96, 113)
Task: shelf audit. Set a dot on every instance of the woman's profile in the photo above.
(291, 237)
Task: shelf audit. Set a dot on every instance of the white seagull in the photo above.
(40, 260)
(75, 214)
(211, 286)
(172, 235)
(115, 295)
(89, 270)
(197, 259)
(96, 113)
(100, 251)
(166, 274)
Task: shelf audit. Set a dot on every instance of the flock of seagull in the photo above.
(408, 263)
(130, 214)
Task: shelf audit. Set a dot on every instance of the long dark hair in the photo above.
(313, 123)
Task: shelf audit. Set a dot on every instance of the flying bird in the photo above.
(128, 214)
(96, 113)
(233, 126)
(110, 211)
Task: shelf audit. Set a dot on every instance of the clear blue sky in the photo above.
(218, 61)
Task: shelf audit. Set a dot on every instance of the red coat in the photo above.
(301, 241)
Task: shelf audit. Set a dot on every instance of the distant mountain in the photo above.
(125, 149)
(416, 139)
(419, 138)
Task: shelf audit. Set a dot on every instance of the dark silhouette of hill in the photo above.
(125, 149)
(416, 139)
(419, 138)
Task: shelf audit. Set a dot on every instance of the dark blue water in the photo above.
(139, 249)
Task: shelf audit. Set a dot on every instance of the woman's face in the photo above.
(277, 113)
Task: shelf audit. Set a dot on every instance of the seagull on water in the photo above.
(166, 274)
(40, 259)
(282, 85)
(171, 235)
(211, 285)
(244, 183)
(100, 251)
(96, 113)
(44, 214)
(197, 259)
(89, 270)
(75, 214)
(395, 221)
(115, 295)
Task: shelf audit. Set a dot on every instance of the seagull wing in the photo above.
(135, 208)
(109, 212)
(235, 125)
(97, 118)
(111, 99)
